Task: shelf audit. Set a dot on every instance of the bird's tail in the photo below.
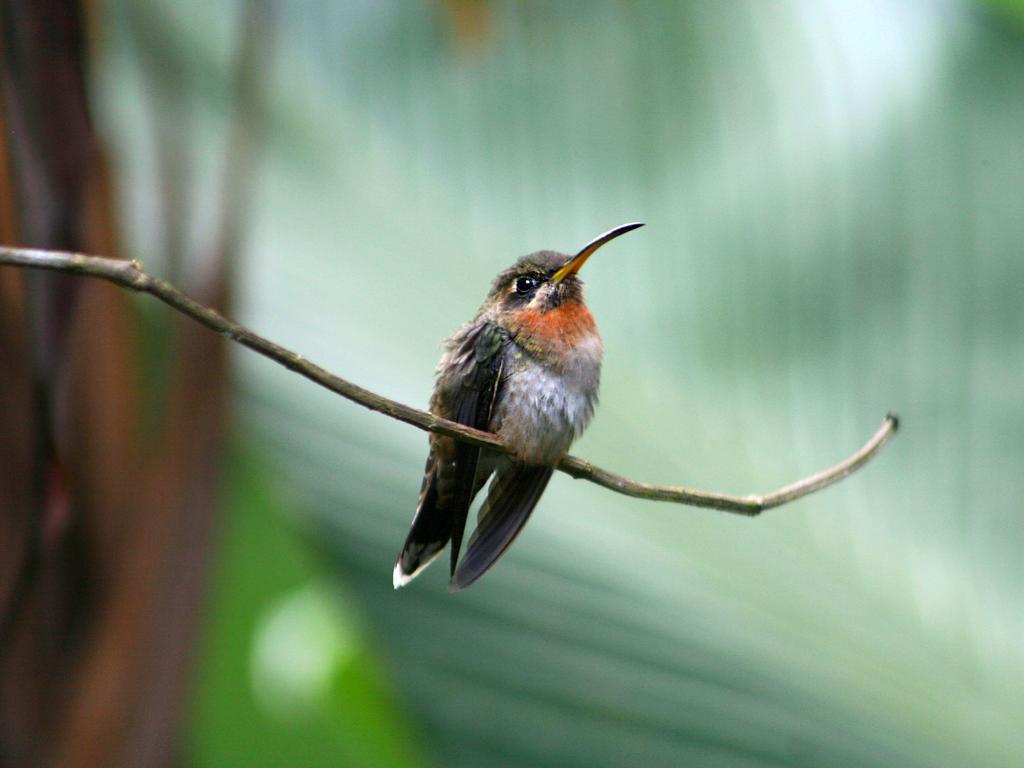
(430, 532)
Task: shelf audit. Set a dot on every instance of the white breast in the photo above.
(540, 412)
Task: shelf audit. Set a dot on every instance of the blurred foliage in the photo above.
(835, 225)
(289, 674)
(1013, 8)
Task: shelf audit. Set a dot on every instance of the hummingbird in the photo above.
(526, 368)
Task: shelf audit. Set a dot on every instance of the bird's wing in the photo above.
(466, 393)
(473, 405)
(514, 493)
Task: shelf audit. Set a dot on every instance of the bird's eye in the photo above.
(525, 284)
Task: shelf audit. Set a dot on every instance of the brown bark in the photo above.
(105, 533)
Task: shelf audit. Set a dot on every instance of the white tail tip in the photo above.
(399, 578)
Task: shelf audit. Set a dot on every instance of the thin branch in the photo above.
(743, 505)
(130, 275)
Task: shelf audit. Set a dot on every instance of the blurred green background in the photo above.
(833, 192)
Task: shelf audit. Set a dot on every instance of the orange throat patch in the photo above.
(555, 332)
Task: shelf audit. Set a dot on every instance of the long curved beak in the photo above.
(572, 266)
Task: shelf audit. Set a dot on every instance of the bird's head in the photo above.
(545, 280)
